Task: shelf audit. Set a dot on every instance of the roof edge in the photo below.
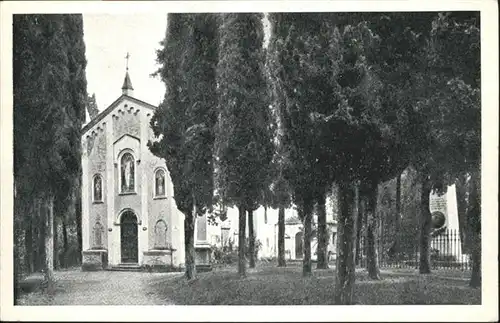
(113, 105)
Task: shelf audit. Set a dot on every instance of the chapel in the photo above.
(129, 215)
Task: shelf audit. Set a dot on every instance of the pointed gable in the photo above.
(120, 102)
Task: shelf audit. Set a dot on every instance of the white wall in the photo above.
(267, 233)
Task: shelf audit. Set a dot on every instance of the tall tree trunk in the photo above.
(190, 272)
(425, 227)
(461, 192)
(41, 225)
(306, 261)
(371, 232)
(18, 232)
(48, 213)
(322, 234)
(78, 216)
(251, 240)
(241, 241)
(189, 251)
(281, 237)
(56, 244)
(364, 231)
(360, 211)
(380, 229)
(65, 263)
(345, 277)
(474, 219)
(28, 238)
(397, 222)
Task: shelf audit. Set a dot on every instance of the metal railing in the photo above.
(446, 252)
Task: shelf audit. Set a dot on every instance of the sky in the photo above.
(108, 38)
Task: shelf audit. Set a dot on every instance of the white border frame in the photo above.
(488, 311)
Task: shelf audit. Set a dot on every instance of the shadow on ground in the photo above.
(269, 285)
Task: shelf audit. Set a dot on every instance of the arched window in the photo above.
(127, 173)
(98, 231)
(97, 188)
(160, 183)
(160, 235)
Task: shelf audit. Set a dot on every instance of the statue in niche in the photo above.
(127, 173)
(160, 182)
(98, 188)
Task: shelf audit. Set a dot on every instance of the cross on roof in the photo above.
(127, 57)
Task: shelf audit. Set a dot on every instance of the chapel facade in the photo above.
(129, 215)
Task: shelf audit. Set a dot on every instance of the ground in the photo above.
(264, 285)
(76, 287)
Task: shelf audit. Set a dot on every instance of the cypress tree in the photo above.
(244, 146)
(185, 120)
(77, 64)
(288, 40)
(47, 120)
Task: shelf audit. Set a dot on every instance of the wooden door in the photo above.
(129, 238)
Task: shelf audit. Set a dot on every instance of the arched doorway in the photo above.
(299, 245)
(129, 237)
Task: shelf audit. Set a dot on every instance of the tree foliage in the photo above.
(244, 146)
(44, 125)
(184, 122)
(49, 109)
(330, 101)
(48, 116)
(92, 107)
(454, 61)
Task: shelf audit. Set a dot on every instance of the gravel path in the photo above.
(102, 288)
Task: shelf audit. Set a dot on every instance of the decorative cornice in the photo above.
(113, 105)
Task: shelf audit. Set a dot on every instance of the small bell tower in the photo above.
(127, 88)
